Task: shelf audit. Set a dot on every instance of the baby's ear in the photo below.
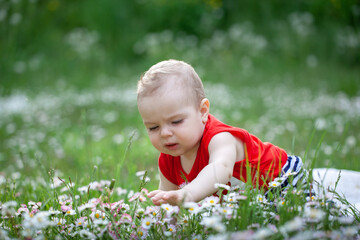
(204, 109)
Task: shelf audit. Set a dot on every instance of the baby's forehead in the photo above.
(174, 88)
(171, 89)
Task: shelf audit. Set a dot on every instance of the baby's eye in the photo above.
(177, 121)
(153, 128)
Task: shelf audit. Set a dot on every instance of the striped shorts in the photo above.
(293, 175)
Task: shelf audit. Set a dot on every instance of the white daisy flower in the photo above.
(314, 214)
(81, 222)
(97, 215)
(274, 184)
(58, 221)
(210, 201)
(222, 186)
(293, 225)
(147, 222)
(169, 209)
(192, 207)
(213, 222)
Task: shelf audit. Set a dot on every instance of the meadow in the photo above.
(76, 162)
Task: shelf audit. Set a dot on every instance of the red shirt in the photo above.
(263, 157)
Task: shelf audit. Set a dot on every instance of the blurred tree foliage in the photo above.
(31, 28)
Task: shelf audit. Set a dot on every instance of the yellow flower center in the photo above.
(80, 223)
(97, 215)
(147, 223)
(68, 212)
(167, 209)
(211, 201)
(154, 213)
(59, 223)
(191, 209)
(140, 233)
(170, 229)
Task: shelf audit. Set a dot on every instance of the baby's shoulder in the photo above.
(225, 139)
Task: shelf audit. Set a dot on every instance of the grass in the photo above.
(88, 137)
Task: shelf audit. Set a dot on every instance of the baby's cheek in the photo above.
(153, 140)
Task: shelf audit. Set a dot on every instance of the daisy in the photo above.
(141, 232)
(85, 234)
(213, 222)
(147, 222)
(97, 214)
(169, 209)
(210, 201)
(226, 211)
(101, 221)
(274, 184)
(151, 210)
(140, 211)
(70, 212)
(293, 225)
(286, 175)
(8, 208)
(263, 233)
(192, 207)
(22, 209)
(85, 206)
(53, 212)
(125, 218)
(221, 186)
(197, 237)
(81, 222)
(260, 198)
(313, 214)
(58, 221)
(171, 229)
(120, 191)
(39, 221)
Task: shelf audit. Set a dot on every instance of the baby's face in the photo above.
(174, 124)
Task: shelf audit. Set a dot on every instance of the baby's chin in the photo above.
(173, 154)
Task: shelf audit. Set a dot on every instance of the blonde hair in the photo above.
(174, 70)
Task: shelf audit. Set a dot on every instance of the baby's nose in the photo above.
(165, 131)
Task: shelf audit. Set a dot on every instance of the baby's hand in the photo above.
(157, 196)
(175, 197)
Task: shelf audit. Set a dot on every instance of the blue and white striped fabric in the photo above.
(292, 174)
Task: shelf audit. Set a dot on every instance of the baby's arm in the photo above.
(164, 187)
(224, 149)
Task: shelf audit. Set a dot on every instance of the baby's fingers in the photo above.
(153, 193)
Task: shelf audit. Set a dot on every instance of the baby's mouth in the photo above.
(171, 146)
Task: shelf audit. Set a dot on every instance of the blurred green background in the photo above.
(288, 71)
(79, 40)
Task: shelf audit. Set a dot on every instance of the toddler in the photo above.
(198, 151)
